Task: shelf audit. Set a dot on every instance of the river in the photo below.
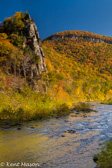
(68, 142)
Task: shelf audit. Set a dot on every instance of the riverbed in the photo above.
(67, 142)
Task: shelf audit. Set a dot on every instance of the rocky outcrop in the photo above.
(28, 60)
(32, 40)
(36, 62)
(56, 37)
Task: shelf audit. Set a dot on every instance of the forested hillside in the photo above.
(79, 68)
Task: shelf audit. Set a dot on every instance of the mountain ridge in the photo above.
(77, 34)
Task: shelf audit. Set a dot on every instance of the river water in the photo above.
(51, 143)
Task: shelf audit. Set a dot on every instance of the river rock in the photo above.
(18, 128)
(71, 131)
(32, 127)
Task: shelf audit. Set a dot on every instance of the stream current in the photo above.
(68, 142)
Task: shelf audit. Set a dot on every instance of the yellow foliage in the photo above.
(109, 94)
(18, 15)
(49, 65)
(3, 36)
(62, 96)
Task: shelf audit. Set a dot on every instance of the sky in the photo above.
(52, 16)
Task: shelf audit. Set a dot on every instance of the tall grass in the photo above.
(20, 107)
(107, 101)
(84, 107)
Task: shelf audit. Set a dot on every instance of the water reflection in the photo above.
(51, 144)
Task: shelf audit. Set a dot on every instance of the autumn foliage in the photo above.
(77, 70)
(86, 66)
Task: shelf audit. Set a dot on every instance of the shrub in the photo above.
(14, 24)
(62, 110)
(85, 107)
(108, 101)
(104, 158)
(16, 40)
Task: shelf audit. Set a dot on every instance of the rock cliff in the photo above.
(80, 35)
(32, 40)
(77, 37)
(31, 34)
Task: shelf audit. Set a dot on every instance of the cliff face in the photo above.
(81, 35)
(78, 37)
(32, 40)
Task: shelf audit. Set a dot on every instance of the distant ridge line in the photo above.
(79, 35)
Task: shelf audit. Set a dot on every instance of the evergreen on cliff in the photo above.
(20, 50)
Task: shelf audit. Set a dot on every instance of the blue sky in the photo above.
(53, 16)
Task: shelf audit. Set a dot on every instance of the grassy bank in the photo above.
(104, 158)
(107, 101)
(29, 105)
(16, 107)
